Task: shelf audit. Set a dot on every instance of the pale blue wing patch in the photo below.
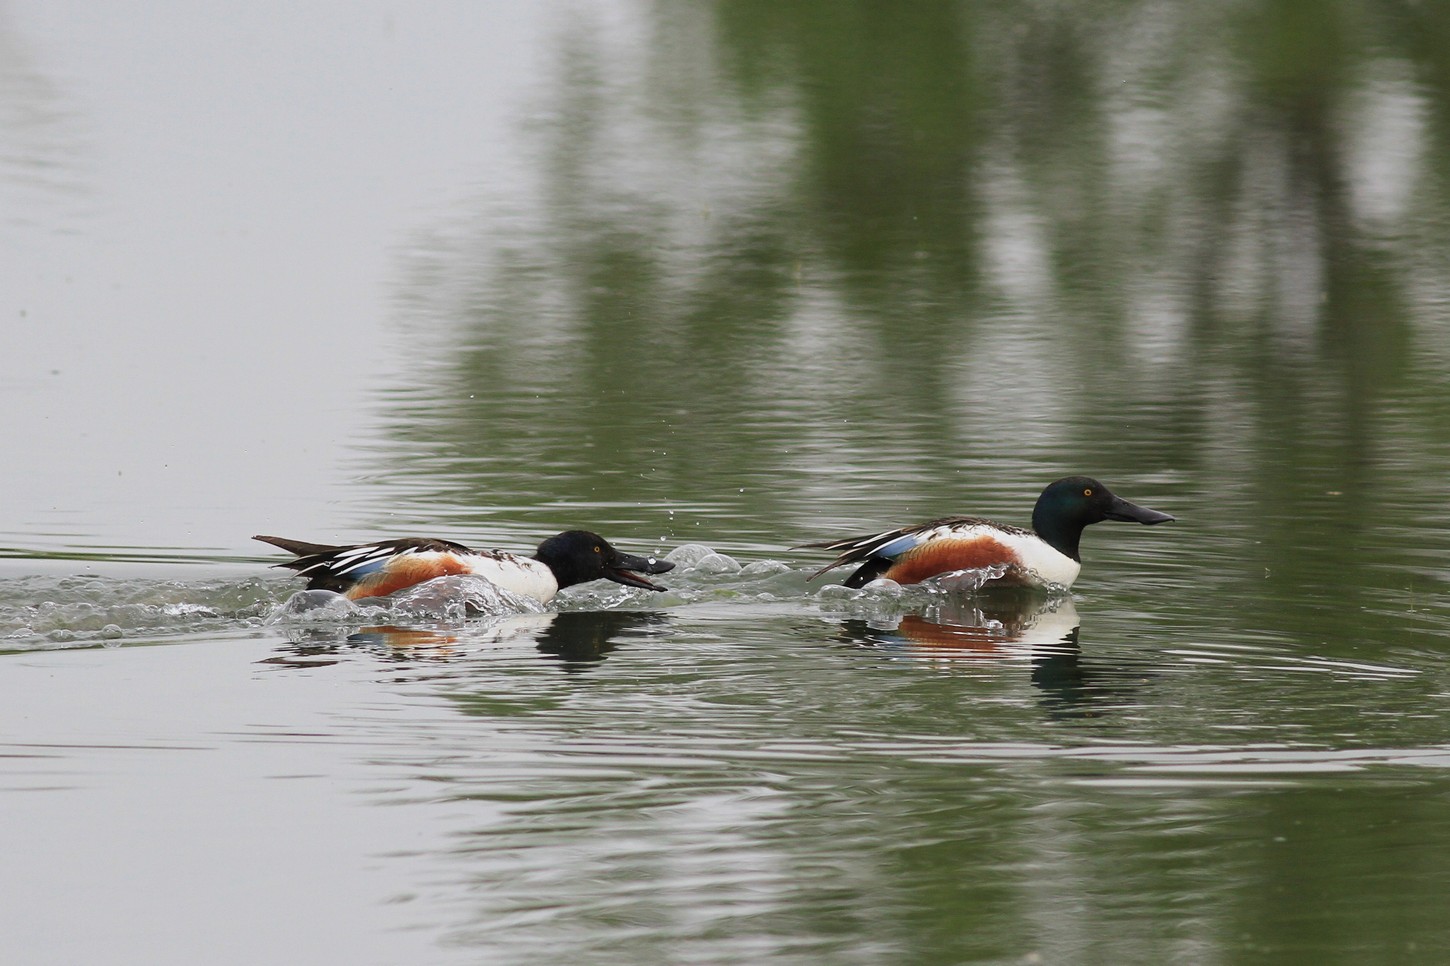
(899, 546)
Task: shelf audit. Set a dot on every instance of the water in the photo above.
(724, 278)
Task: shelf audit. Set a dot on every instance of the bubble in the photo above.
(717, 563)
(318, 605)
(884, 586)
(460, 597)
(687, 555)
(698, 557)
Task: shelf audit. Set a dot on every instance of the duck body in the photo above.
(1045, 556)
(912, 554)
(388, 566)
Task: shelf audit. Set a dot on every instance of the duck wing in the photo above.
(337, 568)
(887, 544)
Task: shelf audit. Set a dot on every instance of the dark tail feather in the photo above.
(868, 572)
(832, 545)
(873, 567)
(830, 566)
(299, 547)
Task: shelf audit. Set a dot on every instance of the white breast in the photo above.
(518, 575)
(1038, 556)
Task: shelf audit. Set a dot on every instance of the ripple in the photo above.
(41, 611)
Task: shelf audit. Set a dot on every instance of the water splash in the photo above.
(698, 557)
(43, 611)
(79, 611)
(454, 598)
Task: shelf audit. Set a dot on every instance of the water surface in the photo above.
(736, 277)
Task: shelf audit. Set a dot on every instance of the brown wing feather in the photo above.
(858, 549)
(949, 554)
(315, 561)
(405, 571)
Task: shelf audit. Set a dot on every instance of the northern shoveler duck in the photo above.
(1045, 555)
(388, 566)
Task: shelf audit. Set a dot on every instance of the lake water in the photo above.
(718, 279)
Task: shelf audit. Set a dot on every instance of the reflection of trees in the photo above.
(886, 257)
(793, 247)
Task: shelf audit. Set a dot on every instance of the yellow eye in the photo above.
(598, 549)
(1088, 492)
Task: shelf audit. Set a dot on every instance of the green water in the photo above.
(740, 275)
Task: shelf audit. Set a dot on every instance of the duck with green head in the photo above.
(1046, 555)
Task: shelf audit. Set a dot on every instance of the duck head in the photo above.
(578, 556)
(1074, 502)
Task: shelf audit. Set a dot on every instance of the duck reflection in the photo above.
(1005, 627)
(323, 646)
(572, 640)
(581, 639)
(1007, 623)
(1000, 625)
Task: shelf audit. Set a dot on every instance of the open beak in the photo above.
(1131, 512)
(626, 568)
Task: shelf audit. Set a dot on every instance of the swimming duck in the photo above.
(1045, 555)
(387, 566)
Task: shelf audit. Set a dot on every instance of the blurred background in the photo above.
(747, 271)
(749, 274)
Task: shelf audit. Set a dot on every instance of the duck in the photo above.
(1045, 556)
(387, 566)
